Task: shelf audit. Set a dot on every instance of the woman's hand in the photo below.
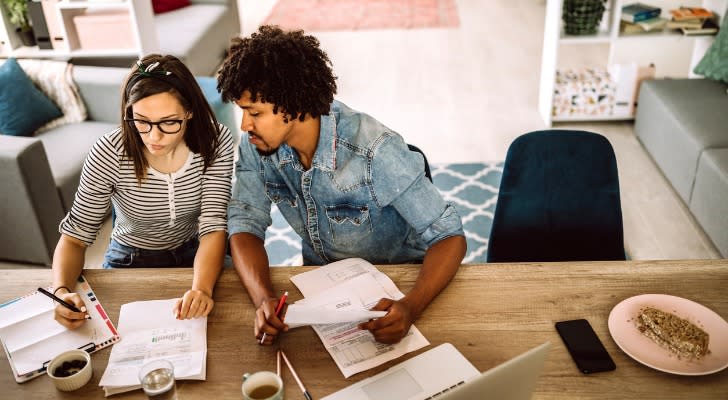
(64, 316)
(194, 304)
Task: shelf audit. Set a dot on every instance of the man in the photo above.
(347, 184)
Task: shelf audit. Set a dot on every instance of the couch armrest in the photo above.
(32, 206)
(100, 89)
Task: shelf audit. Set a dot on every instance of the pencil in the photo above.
(279, 307)
(61, 302)
(306, 394)
(278, 362)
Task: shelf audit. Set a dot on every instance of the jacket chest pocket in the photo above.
(348, 223)
(280, 195)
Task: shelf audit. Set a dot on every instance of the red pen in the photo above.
(279, 307)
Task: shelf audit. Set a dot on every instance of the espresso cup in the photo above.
(262, 385)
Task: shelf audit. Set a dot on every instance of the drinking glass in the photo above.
(157, 379)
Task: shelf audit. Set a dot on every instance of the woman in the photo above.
(166, 171)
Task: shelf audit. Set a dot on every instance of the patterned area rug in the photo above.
(348, 15)
(471, 188)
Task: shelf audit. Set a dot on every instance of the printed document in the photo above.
(150, 331)
(353, 284)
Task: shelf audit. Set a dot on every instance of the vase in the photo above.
(27, 37)
(582, 17)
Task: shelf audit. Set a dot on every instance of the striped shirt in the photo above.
(164, 211)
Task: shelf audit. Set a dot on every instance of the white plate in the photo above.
(623, 328)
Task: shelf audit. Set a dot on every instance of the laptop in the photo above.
(443, 373)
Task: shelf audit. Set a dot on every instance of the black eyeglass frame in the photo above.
(133, 121)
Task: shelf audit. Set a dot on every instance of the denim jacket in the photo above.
(365, 194)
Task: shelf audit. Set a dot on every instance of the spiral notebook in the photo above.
(31, 336)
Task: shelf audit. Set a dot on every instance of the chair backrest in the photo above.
(558, 200)
(427, 165)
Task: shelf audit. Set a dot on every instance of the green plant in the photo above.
(18, 13)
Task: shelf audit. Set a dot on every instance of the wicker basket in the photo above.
(582, 17)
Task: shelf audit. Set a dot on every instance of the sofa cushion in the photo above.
(67, 147)
(55, 80)
(676, 120)
(714, 64)
(708, 203)
(198, 35)
(23, 108)
(162, 6)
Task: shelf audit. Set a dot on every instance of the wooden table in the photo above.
(489, 312)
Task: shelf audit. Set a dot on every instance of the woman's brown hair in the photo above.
(170, 75)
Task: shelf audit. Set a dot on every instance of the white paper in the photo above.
(353, 284)
(298, 315)
(150, 331)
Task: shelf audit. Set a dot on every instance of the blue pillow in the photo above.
(23, 108)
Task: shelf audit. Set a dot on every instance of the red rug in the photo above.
(348, 15)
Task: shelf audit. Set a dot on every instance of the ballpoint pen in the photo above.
(61, 302)
(306, 394)
(281, 302)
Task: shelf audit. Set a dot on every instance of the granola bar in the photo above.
(678, 335)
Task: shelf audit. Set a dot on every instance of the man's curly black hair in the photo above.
(288, 69)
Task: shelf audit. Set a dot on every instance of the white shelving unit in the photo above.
(672, 53)
(141, 17)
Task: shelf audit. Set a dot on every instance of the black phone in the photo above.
(584, 346)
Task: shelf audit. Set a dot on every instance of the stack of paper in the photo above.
(346, 290)
(150, 331)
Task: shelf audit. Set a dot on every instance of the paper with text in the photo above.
(353, 284)
(150, 331)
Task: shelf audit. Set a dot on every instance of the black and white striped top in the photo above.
(162, 213)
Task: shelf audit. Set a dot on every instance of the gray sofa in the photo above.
(39, 175)
(199, 34)
(683, 125)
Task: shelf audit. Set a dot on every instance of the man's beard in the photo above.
(263, 153)
(266, 153)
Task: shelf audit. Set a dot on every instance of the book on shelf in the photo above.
(648, 25)
(690, 24)
(709, 27)
(691, 13)
(637, 12)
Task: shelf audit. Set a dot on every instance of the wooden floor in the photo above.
(463, 95)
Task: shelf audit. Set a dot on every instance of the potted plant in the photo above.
(582, 17)
(18, 13)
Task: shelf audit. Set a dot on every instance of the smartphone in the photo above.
(584, 346)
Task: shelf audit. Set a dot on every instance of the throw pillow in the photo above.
(714, 64)
(23, 108)
(161, 6)
(55, 80)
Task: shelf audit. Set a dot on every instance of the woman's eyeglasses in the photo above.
(168, 126)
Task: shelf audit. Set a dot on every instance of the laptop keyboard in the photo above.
(445, 390)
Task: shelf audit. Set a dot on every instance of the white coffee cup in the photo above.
(262, 385)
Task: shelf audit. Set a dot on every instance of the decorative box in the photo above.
(104, 29)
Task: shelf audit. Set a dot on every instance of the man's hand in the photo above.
(70, 319)
(194, 304)
(266, 321)
(392, 327)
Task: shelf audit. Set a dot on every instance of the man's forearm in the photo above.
(440, 265)
(251, 263)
